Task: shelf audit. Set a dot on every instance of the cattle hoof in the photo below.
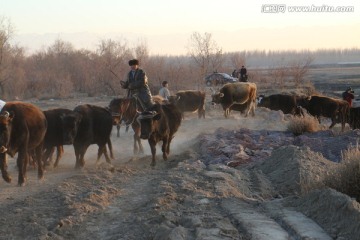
(7, 178)
(153, 164)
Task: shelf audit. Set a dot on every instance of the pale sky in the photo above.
(166, 26)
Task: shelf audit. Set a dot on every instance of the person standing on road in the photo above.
(137, 85)
(243, 74)
(164, 91)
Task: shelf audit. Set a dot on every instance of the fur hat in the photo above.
(133, 62)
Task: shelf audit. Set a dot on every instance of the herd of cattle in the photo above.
(35, 134)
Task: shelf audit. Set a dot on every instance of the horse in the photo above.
(127, 110)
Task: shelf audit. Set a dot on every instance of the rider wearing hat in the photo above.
(137, 85)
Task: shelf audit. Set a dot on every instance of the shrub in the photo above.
(346, 178)
(300, 125)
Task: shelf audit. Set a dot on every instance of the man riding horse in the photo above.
(137, 85)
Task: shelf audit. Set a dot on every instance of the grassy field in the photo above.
(335, 79)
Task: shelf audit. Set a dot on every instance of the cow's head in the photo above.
(6, 119)
(70, 125)
(216, 98)
(259, 100)
(173, 99)
(148, 121)
(303, 101)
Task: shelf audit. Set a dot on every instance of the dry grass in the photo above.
(346, 178)
(300, 125)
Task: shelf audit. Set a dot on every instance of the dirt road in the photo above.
(194, 195)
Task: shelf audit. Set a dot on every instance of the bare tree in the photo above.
(299, 68)
(238, 59)
(141, 51)
(113, 57)
(204, 51)
(278, 75)
(6, 33)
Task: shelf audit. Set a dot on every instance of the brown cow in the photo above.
(335, 109)
(354, 119)
(160, 123)
(239, 92)
(94, 128)
(62, 128)
(22, 130)
(189, 101)
(283, 102)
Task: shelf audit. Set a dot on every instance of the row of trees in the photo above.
(61, 71)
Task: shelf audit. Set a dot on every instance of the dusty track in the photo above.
(183, 198)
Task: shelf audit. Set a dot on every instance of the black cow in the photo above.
(240, 93)
(62, 128)
(335, 109)
(94, 128)
(283, 102)
(354, 118)
(189, 101)
(22, 130)
(160, 123)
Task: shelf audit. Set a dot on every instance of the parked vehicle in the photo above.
(219, 79)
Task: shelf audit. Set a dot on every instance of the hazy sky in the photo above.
(166, 26)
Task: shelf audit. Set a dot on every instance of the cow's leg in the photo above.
(168, 145)
(102, 150)
(38, 156)
(332, 124)
(110, 148)
(227, 112)
(165, 148)
(3, 166)
(82, 156)
(77, 154)
(59, 153)
(47, 156)
(118, 129)
(152, 144)
(253, 105)
(80, 153)
(21, 163)
(319, 119)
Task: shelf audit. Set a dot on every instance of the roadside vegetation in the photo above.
(61, 71)
(346, 178)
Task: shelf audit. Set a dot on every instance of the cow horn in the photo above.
(221, 95)
(3, 149)
(5, 114)
(114, 114)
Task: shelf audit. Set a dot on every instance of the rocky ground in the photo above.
(236, 178)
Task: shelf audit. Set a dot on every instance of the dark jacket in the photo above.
(138, 85)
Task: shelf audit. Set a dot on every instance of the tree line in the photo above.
(60, 70)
